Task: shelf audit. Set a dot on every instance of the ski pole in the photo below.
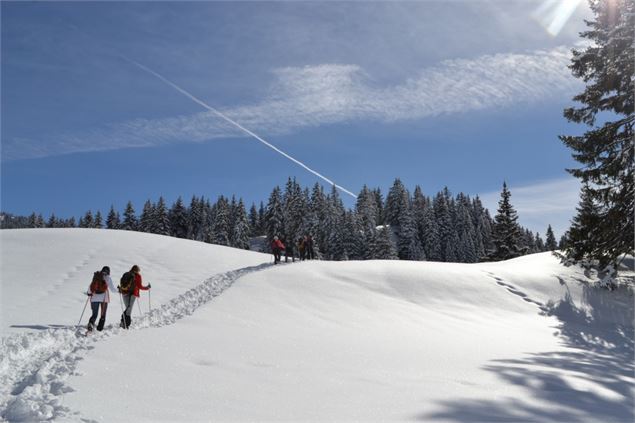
(80, 317)
(150, 300)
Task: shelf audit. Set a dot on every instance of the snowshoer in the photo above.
(276, 246)
(301, 249)
(99, 292)
(288, 251)
(130, 284)
(308, 246)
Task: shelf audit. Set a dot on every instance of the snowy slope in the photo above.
(524, 340)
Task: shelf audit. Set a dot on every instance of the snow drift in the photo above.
(526, 339)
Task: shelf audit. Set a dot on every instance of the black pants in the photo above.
(276, 255)
(102, 320)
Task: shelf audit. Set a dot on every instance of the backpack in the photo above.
(126, 283)
(98, 285)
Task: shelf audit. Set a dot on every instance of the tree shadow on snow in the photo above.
(591, 381)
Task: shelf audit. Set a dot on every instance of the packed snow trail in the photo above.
(35, 366)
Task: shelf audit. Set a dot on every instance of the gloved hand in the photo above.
(90, 294)
(149, 285)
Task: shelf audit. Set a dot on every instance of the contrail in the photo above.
(236, 124)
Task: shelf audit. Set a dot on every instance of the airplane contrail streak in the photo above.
(236, 124)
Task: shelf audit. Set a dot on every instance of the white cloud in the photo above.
(545, 203)
(330, 93)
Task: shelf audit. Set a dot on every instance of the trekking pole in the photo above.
(150, 300)
(80, 317)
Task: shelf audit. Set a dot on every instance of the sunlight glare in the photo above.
(554, 14)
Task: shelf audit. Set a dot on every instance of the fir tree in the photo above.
(52, 222)
(274, 215)
(507, 234)
(581, 244)
(146, 221)
(254, 222)
(112, 221)
(99, 221)
(129, 218)
(540, 244)
(241, 227)
(606, 150)
(384, 248)
(178, 219)
(88, 221)
(222, 225)
(550, 243)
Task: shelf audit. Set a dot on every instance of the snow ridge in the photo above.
(35, 366)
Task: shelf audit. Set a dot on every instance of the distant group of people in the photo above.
(304, 245)
(99, 290)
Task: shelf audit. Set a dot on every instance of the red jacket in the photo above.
(277, 244)
(138, 285)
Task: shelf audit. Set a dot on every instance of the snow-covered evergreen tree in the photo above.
(466, 248)
(113, 220)
(581, 244)
(506, 231)
(178, 218)
(254, 222)
(222, 222)
(550, 242)
(606, 151)
(274, 215)
(52, 222)
(147, 217)
(241, 227)
(384, 248)
(99, 221)
(129, 218)
(88, 220)
(540, 244)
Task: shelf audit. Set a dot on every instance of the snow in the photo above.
(232, 337)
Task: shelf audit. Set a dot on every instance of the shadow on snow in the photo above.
(599, 353)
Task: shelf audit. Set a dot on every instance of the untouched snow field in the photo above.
(522, 340)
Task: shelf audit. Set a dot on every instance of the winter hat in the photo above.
(106, 270)
(275, 238)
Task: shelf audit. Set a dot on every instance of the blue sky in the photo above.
(464, 94)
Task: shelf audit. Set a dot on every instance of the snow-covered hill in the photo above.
(520, 340)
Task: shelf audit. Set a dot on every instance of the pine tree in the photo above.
(254, 222)
(52, 222)
(241, 227)
(99, 221)
(540, 244)
(550, 243)
(112, 221)
(396, 203)
(384, 248)
(178, 219)
(88, 221)
(606, 150)
(507, 233)
(146, 221)
(466, 248)
(581, 244)
(274, 215)
(222, 225)
(129, 218)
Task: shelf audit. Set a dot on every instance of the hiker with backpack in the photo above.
(99, 292)
(276, 247)
(129, 286)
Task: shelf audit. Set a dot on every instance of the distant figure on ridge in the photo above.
(129, 286)
(276, 247)
(308, 247)
(99, 292)
(301, 249)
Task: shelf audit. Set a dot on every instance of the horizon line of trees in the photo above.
(402, 226)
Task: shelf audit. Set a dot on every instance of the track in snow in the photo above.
(34, 367)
